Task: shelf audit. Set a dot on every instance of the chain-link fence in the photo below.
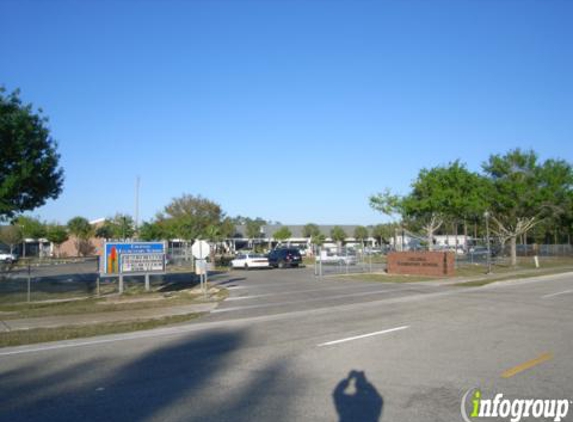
(543, 250)
(35, 281)
(501, 256)
(333, 261)
(39, 280)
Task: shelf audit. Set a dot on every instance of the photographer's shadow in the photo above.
(356, 399)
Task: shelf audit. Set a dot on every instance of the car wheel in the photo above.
(247, 267)
(282, 264)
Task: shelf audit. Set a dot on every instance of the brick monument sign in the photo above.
(421, 263)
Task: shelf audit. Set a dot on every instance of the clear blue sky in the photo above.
(293, 111)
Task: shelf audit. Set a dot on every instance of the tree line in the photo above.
(522, 197)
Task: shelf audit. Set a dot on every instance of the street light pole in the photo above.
(486, 215)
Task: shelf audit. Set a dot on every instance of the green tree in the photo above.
(524, 192)
(318, 239)
(361, 234)
(282, 234)
(338, 235)
(253, 228)
(384, 232)
(11, 235)
(105, 231)
(121, 226)
(31, 228)
(29, 164)
(227, 228)
(188, 217)
(557, 179)
(82, 230)
(57, 234)
(310, 230)
(152, 230)
(445, 193)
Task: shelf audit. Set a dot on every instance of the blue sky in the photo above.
(293, 111)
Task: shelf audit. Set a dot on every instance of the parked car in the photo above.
(285, 257)
(8, 257)
(250, 260)
(478, 250)
(372, 251)
(326, 257)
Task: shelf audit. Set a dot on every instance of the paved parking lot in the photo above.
(266, 292)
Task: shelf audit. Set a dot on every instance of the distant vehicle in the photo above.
(8, 257)
(250, 260)
(482, 250)
(478, 250)
(326, 257)
(285, 257)
(459, 250)
(372, 251)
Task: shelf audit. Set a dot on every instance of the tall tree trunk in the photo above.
(430, 238)
(513, 249)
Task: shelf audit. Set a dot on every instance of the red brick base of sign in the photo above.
(422, 263)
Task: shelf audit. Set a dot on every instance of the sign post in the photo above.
(201, 251)
(134, 259)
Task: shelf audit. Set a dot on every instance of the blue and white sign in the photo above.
(134, 257)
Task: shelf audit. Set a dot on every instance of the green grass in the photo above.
(500, 271)
(40, 335)
(14, 290)
(492, 278)
(388, 278)
(133, 300)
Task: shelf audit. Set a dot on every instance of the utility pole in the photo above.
(487, 215)
(136, 206)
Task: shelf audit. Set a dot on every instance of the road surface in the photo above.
(289, 347)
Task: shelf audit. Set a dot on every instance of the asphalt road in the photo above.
(283, 347)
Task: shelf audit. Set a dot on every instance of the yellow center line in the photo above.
(527, 365)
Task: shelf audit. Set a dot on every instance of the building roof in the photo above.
(268, 230)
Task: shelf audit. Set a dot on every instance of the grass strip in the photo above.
(103, 305)
(385, 278)
(41, 335)
(508, 277)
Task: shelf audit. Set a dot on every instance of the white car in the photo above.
(332, 258)
(250, 260)
(8, 257)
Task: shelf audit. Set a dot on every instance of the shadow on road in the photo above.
(356, 399)
(181, 381)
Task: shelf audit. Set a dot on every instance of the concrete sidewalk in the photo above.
(103, 317)
(501, 276)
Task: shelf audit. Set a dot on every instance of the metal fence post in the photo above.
(320, 262)
(29, 292)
